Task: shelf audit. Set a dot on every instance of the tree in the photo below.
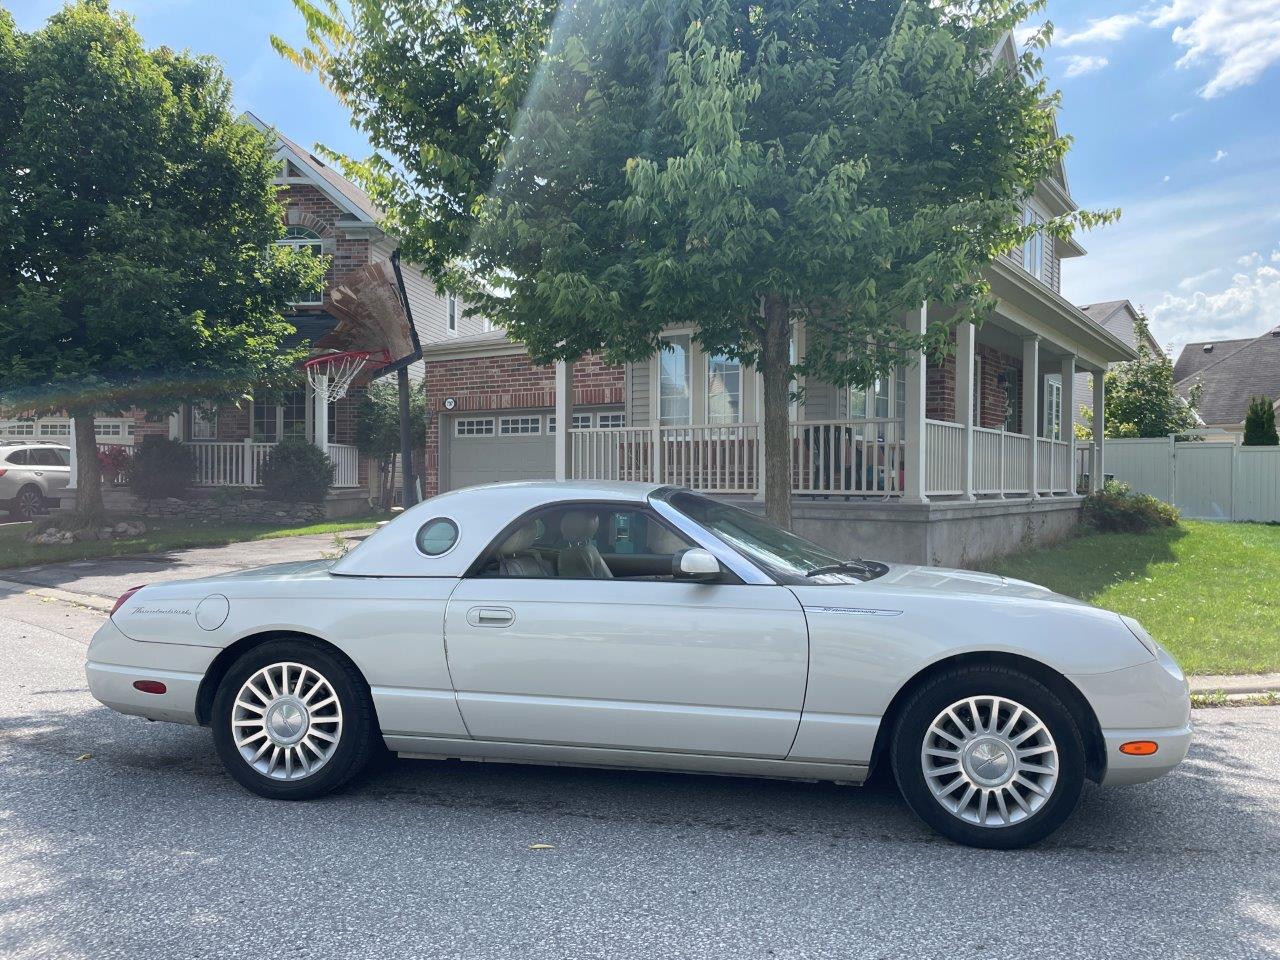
(1141, 399)
(137, 229)
(378, 430)
(1260, 424)
(738, 165)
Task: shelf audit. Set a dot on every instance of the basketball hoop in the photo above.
(332, 373)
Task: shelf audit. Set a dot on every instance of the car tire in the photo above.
(308, 730)
(988, 757)
(29, 503)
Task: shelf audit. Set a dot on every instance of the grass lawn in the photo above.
(161, 535)
(1210, 592)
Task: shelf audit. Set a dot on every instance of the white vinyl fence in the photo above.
(1204, 480)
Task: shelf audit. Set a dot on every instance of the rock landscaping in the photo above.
(125, 530)
(242, 510)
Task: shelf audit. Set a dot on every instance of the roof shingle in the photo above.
(1237, 372)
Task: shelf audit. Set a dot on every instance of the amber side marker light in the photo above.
(154, 686)
(1139, 748)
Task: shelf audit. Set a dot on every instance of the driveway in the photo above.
(108, 577)
(145, 849)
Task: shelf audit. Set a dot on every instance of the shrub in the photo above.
(298, 471)
(1260, 424)
(161, 468)
(1116, 509)
(114, 463)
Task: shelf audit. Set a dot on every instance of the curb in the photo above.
(90, 600)
(1249, 683)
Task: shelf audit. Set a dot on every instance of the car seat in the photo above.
(515, 559)
(580, 559)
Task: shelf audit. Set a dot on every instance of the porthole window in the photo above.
(437, 537)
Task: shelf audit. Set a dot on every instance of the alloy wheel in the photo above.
(286, 721)
(990, 761)
(30, 503)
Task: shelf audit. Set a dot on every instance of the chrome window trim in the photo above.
(747, 571)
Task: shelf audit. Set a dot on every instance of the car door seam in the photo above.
(448, 667)
(808, 665)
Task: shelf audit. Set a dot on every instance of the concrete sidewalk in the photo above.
(97, 582)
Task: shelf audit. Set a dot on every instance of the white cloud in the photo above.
(1240, 38)
(1250, 260)
(1078, 66)
(1219, 156)
(1246, 307)
(1190, 283)
(1166, 179)
(1175, 117)
(1104, 30)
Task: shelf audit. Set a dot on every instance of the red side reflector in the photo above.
(125, 596)
(1139, 748)
(149, 686)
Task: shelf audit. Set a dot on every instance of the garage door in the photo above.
(490, 449)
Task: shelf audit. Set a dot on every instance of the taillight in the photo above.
(3, 471)
(125, 596)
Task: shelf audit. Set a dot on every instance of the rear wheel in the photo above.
(989, 757)
(292, 722)
(29, 503)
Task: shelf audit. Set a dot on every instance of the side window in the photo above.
(19, 458)
(587, 542)
(46, 457)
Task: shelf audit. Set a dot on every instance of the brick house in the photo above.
(330, 215)
(949, 462)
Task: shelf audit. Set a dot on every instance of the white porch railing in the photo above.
(221, 463)
(346, 464)
(1053, 466)
(944, 459)
(847, 457)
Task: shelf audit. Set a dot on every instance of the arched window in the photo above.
(302, 238)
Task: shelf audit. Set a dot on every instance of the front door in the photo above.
(576, 633)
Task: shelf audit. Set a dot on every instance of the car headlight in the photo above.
(1163, 657)
(1146, 639)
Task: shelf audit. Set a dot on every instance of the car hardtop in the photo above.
(479, 514)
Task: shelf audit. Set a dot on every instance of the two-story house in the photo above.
(328, 214)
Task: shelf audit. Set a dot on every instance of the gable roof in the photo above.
(1235, 378)
(1120, 317)
(336, 187)
(1196, 356)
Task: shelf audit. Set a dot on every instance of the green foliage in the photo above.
(1260, 424)
(137, 264)
(1141, 399)
(161, 468)
(378, 429)
(1116, 509)
(297, 471)
(740, 166)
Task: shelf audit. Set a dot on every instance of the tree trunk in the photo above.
(775, 368)
(89, 511)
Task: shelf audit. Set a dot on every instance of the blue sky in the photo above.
(1173, 106)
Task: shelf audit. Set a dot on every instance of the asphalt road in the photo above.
(145, 849)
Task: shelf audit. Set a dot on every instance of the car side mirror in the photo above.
(697, 565)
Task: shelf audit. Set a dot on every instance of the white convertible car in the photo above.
(639, 626)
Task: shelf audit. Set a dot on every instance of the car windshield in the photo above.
(789, 558)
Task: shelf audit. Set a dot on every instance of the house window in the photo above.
(520, 426)
(611, 421)
(1009, 385)
(452, 308)
(108, 430)
(581, 421)
(890, 395)
(1053, 408)
(300, 238)
(675, 396)
(204, 423)
(474, 427)
(265, 427)
(857, 403)
(55, 429)
(18, 429)
(724, 390)
(1033, 249)
(333, 421)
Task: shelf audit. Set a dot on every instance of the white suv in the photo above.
(31, 474)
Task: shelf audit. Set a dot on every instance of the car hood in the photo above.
(968, 582)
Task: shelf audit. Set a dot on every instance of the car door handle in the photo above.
(491, 617)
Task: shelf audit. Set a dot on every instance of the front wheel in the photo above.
(28, 504)
(293, 722)
(989, 757)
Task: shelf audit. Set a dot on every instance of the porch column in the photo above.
(320, 413)
(1031, 408)
(75, 461)
(916, 452)
(1069, 417)
(564, 419)
(1097, 470)
(759, 381)
(965, 338)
